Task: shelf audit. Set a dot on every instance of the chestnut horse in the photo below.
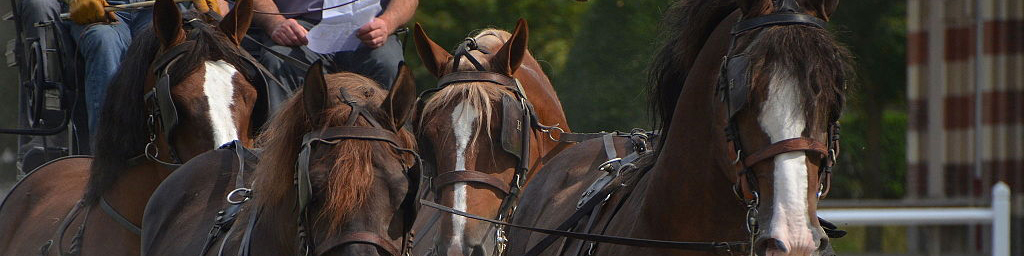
(178, 93)
(759, 128)
(341, 133)
(472, 134)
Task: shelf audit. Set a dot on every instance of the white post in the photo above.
(1000, 219)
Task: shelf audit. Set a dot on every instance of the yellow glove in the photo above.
(204, 6)
(86, 12)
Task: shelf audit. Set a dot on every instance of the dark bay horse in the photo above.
(180, 91)
(472, 134)
(752, 137)
(342, 134)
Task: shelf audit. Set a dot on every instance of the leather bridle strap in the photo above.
(359, 237)
(120, 219)
(476, 76)
(777, 19)
(352, 132)
(786, 146)
(470, 176)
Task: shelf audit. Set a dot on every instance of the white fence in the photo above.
(998, 216)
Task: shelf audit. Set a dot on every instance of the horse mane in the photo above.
(123, 118)
(478, 95)
(686, 27)
(348, 183)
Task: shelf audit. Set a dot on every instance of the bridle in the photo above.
(160, 108)
(303, 185)
(518, 118)
(734, 87)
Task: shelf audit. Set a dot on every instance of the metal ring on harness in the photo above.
(156, 151)
(608, 164)
(551, 134)
(242, 192)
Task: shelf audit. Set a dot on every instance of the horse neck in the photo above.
(548, 108)
(133, 187)
(689, 174)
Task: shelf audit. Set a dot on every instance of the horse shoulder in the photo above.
(38, 204)
(181, 211)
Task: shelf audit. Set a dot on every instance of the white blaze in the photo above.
(220, 92)
(463, 117)
(782, 118)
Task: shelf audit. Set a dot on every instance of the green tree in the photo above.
(602, 83)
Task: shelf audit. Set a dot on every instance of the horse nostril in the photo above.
(767, 244)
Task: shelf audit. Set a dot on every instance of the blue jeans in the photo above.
(102, 46)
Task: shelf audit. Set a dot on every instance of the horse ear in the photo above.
(825, 7)
(511, 55)
(401, 99)
(434, 56)
(167, 23)
(314, 92)
(237, 22)
(753, 8)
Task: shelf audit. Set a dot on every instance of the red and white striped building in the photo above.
(942, 61)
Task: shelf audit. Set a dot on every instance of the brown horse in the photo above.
(479, 166)
(199, 97)
(713, 152)
(363, 181)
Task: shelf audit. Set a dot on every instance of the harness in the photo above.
(734, 85)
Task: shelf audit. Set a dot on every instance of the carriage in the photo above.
(52, 120)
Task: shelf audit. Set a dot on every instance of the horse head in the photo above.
(340, 139)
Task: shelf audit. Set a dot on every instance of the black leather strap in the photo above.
(469, 176)
(776, 20)
(477, 76)
(119, 218)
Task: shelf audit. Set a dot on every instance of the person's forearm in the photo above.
(399, 12)
(267, 21)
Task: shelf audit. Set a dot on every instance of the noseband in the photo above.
(304, 188)
(734, 87)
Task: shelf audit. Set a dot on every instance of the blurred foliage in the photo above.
(893, 240)
(850, 171)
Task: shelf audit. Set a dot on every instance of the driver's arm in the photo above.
(283, 31)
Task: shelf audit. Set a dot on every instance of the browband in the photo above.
(476, 76)
(776, 20)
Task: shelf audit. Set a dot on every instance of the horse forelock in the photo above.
(349, 164)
